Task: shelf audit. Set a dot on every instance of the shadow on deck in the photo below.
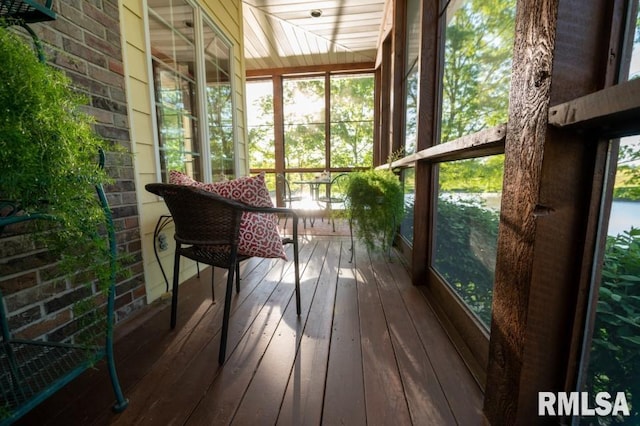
(366, 349)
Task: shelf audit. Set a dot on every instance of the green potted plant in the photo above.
(375, 205)
(49, 156)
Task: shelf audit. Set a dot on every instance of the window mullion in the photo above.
(201, 96)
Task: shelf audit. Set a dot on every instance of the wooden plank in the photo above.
(485, 142)
(195, 392)
(314, 69)
(424, 393)
(157, 389)
(196, 367)
(444, 363)
(302, 403)
(384, 395)
(611, 112)
(274, 368)
(218, 401)
(344, 392)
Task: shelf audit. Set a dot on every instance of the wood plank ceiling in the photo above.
(283, 34)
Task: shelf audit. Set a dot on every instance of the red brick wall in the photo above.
(85, 43)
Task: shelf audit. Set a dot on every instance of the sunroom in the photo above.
(512, 292)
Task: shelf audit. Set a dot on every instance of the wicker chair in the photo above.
(207, 229)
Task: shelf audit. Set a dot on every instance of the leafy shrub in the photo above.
(615, 353)
(375, 202)
(49, 157)
(458, 261)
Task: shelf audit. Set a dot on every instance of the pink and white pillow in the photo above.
(259, 234)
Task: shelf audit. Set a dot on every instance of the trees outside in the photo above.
(475, 95)
(350, 119)
(477, 68)
(260, 124)
(304, 122)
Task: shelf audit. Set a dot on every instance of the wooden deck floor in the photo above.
(367, 349)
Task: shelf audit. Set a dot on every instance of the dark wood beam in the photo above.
(561, 53)
(483, 143)
(397, 89)
(311, 70)
(611, 113)
(426, 137)
(278, 132)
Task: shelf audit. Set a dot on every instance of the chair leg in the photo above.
(238, 277)
(225, 317)
(176, 279)
(213, 290)
(296, 264)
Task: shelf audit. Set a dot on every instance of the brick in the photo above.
(48, 34)
(87, 85)
(118, 95)
(125, 211)
(39, 329)
(131, 222)
(81, 19)
(64, 332)
(140, 292)
(123, 300)
(116, 66)
(67, 28)
(25, 317)
(107, 104)
(82, 51)
(98, 15)
(129, 285)
(13, 246)
(121, 186)
(35, 295)
(112, 133)
(16, 284)
(101, 116)
(67, 299)
(68, 62)
(26, 263)
(110, 7)
(129, 309)
(110, 78)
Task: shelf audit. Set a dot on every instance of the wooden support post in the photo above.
(545, 240)
(278, 134)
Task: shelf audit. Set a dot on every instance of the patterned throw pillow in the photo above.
(259, 234)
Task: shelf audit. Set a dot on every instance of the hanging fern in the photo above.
(375, 202)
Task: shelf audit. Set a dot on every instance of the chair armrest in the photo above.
(278, 210)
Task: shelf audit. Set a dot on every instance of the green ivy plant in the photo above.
(615, 354)
(375, 204)
(49, 157)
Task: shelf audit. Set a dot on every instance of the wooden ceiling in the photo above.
(283, 34)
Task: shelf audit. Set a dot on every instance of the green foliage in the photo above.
(628, 174)
(352, 121)
(375, 202)
(49, 156)
(473, 175)
(477, 70)
(615, 355)
(457, 251)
